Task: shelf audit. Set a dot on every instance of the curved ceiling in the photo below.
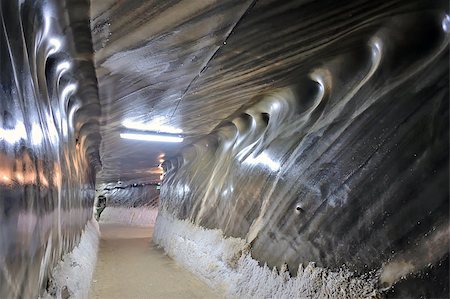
(189, 65)
(149, 56)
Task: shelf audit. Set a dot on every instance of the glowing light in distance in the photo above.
(151, 137)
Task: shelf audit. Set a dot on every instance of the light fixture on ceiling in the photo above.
(151, 136)
(157, 124)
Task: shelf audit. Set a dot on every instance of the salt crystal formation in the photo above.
(225, 263)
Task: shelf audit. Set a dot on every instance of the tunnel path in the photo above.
(130, 266)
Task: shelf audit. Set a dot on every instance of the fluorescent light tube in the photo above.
(156, 125)
(151, 137)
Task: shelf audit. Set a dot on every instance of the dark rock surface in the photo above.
(315, 130)
(345, 164)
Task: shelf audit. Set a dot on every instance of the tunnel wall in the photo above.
(49, 112)
(129, 203)
(347, 169)
(130, 195)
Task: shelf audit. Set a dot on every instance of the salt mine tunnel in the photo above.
(224, 149)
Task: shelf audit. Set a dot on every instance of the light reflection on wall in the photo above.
(264, 160)
(55, 45)
(13, 136)
(48, 153)
(36, 134)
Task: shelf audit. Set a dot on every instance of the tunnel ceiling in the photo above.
(155, 64)
(191, 64)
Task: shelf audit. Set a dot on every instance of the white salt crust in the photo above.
(226, 264)
(133, 216)
(72, 276)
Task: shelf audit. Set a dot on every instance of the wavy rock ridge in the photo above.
(346, 168)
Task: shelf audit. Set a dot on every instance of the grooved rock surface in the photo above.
(346, 163)
(49, 138)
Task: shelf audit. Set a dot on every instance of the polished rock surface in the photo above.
(188, 65)
(316, 131)
(130, 195)
(49, 138)
(339, 155)
(148, 55)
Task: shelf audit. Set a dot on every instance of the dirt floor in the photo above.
(130, 266)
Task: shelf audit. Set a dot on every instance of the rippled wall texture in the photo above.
(130, 195)
(49, 138)
(345, 167)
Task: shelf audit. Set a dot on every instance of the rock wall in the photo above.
(346, 166)
(130, 195)
(129, 203)
(49, 112)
